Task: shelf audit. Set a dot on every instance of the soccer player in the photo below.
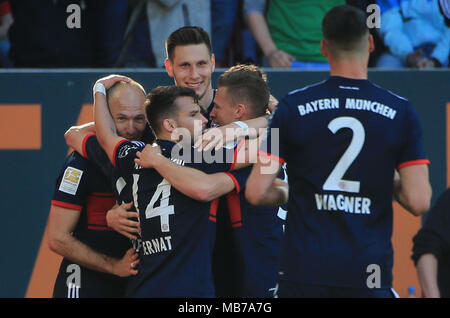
(190, 62)
(342, 140)
(130, 121)
(242, 94)
(177, 232)
(94, 255)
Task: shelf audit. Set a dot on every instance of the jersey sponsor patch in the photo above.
(71, 180)
(123, 152)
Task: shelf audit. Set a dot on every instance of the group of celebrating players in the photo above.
(201, 212)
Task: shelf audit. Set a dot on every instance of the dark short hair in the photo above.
(344, 27)
(160, 104)
(188, 35)
(247, 84)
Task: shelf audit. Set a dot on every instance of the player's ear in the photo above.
(213, 61)
(240, 110)
(169, 124)
(323, 48)
(371, 43)
(169, 67)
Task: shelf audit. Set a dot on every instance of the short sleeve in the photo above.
(124, 155)
(72, 184)
(240, 177)
(95, 153)
(412, 151)
(273, 144)
(251, 6)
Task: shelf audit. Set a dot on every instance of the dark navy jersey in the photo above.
(177, 232)
(342, 139)
(95, 153)
(82, 187)
(209, 110)
(258, 233)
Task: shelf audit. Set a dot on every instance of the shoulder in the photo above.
(298, 96)
(389, 94)
(76, 160)
(125, 147)
(306, 89)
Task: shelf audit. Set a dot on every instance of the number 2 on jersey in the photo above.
(334, 181)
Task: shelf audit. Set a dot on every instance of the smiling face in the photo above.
(192, 66)
(189, 116)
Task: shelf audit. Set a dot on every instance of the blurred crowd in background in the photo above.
(268, 33)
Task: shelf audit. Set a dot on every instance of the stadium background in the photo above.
(37, 106)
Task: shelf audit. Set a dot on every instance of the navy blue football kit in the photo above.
(177, 232)
(342, 139)
(82, 187)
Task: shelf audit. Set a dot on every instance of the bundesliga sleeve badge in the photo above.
(71, 180)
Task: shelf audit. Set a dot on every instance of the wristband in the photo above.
(99, 87)
(241, 124)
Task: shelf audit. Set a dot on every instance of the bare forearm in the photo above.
(194, 183)
(75, 136)
(274, 196)
(260, 31)
(78, 252)
(104, 124)
(427, 269)
(413, 190)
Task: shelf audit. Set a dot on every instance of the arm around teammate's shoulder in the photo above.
(412, 188)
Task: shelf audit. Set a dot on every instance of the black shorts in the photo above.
(287, 289)
(88, 284)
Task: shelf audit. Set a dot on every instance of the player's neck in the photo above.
(207, 98)
(164, 136)
(352, 68)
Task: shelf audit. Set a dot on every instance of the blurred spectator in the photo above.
(165, 16)
(289, 34)
(223, 19)
(231, 39)
(444, 5)
(415, 33)
(40, 36)
(6, 20)
(431, 251)
(121, 33)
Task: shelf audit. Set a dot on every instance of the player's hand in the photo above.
(148, 157)
(425, 63)
(75, 133)
(126, 266)
(110, 80)
(279, 58)
(217, 137)
(413, 59)
(273, 102)
(284, 186)
(118, 218)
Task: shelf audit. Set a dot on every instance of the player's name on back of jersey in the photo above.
(342, 203)
(350, 103)
(156, 245)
